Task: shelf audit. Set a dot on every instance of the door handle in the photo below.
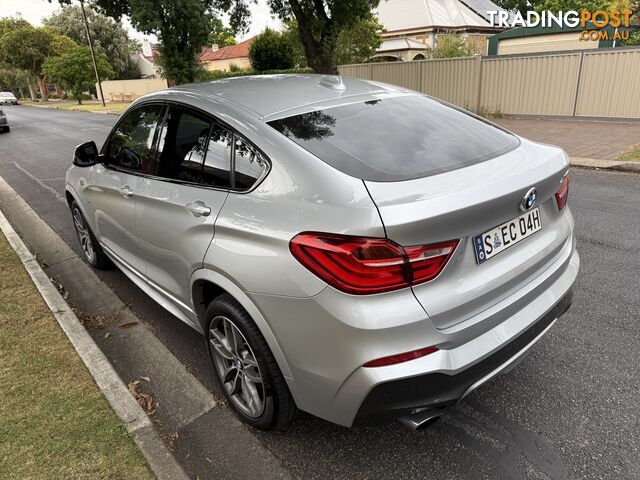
(126, 192)
(198, 208)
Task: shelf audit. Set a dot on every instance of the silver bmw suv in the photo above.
(355, 250)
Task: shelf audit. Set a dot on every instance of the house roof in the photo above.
(395, 44)
(240, 50)
(398, 15)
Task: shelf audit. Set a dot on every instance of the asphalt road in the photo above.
(570, 410)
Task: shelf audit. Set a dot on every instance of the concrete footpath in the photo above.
(590, 144)
(220, 446)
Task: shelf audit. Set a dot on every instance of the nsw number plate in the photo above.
(504, 236)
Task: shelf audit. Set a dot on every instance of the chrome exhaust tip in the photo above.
(421, 419)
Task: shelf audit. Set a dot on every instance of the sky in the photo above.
(34, 10)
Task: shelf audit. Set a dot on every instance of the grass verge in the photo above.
(54, 421)
(85, 107)
(632, 155)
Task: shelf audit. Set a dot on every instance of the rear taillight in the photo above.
(363, 266)
(563, 193)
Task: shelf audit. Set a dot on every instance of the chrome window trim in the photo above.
(210, 117)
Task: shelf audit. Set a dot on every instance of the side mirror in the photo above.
(86, 154)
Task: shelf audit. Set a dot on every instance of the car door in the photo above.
(111, 196)
(178, 201)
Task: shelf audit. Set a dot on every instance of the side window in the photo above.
(182, 145)
(217, 163)
(131, 145)
(249, 165)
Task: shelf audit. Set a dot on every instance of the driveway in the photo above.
(570, 410)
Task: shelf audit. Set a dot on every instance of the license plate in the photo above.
(498, 239)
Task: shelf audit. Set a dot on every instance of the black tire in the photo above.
(96, 256)
(279, 407)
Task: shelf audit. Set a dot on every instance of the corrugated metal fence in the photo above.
(599, 83)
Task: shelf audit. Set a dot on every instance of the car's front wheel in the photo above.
(245, 367)
(91, 249)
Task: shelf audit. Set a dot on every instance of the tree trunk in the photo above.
(44, 93)
(320, 55)
(32, 94)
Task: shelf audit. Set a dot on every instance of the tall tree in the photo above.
(27, 48)
(182, 27)
(355, 44)
(109, 38)
(9, 24)
(320, 23)
(13, 78)
(74, 70)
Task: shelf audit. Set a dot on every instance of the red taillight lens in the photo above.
(427, 261)
(363, 266)
(563, 193)
(401, 357)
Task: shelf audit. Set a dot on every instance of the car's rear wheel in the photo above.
(91, 249)
(245, 368)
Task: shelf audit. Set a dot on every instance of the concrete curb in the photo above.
(160, 459)
(605, 164)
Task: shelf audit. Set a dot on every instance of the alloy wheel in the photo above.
(237, 367)
(83, 235)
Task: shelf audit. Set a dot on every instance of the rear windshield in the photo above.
(396, 138)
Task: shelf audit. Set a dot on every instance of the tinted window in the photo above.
(249, 165)
(131, 144)
(181, 146)
(218, 159)
(396, 138)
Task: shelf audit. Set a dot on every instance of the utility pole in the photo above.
(93, 55)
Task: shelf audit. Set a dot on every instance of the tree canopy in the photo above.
(359, 42)
(271, 51)
(219, 34)
(356, 44)
(27, 48)
(320, 23)
(182, 27)
(74, 70)
(109, 38)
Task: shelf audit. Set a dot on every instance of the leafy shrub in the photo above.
(452, 45)
(271, 51)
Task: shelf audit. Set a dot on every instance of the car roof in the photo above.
(268, 95)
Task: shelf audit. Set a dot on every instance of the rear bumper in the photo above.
(327, 338)
(391, 400)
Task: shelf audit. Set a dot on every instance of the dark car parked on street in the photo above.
(4, 123)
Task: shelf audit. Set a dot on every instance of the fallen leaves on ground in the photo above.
(144, 399)
(129, 325)
(91, 321)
